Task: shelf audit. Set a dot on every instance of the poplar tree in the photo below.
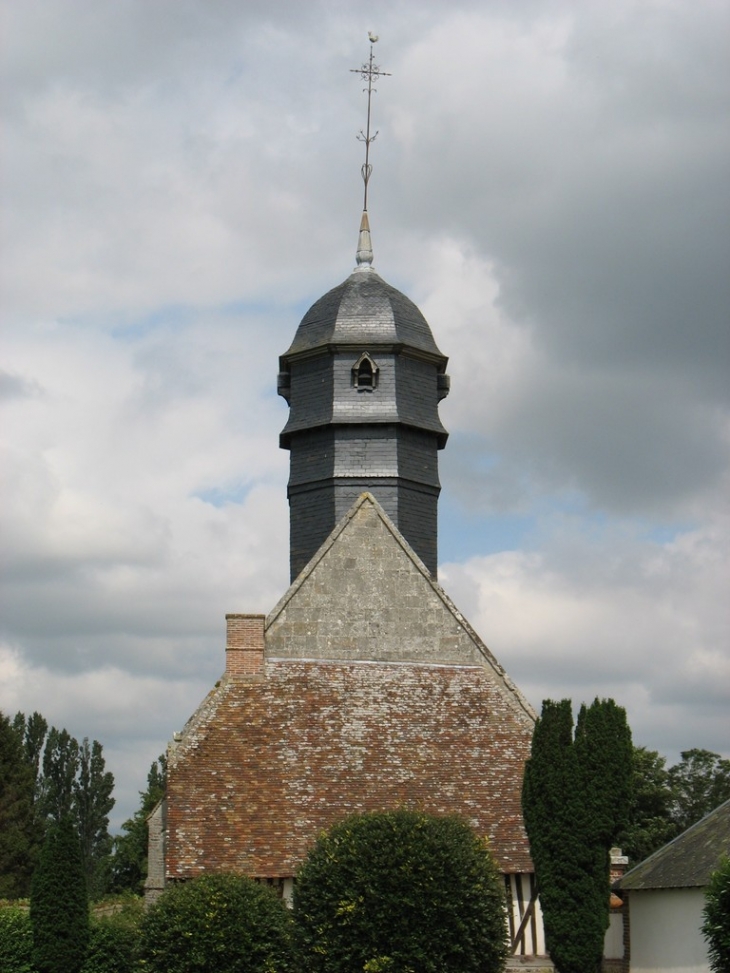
(17, 843)
(92, 802)
(32, 731)
(60, 767)
(576, 794)
(70, 780)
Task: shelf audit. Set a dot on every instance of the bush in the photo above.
(218, 923)
(16, 941)
(114, 939)
(716, 925)
(400, 891)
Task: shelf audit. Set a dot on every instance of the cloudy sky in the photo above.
(551, 186)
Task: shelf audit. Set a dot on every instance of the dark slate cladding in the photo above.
(417, 516)
(313, 459)
(364, 309)
(309, 510)
(311, 391)
(417, 460)
(417, 396)
(344, 439)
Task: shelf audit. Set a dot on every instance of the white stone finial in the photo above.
(364, 255)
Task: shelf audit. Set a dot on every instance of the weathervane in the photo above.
(367, 72)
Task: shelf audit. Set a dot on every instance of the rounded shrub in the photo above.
(218, 923)
(400, 891)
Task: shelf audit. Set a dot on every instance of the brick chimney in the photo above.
(244, 646)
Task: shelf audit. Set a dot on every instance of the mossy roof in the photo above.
(689, 860)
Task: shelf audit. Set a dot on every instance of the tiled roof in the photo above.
(271, 763)
(689, 860)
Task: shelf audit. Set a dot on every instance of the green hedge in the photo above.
(16, 941)
(114, 939)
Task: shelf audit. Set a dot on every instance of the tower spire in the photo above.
(369, 72)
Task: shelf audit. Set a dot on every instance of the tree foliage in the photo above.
(218, 923)
(699, 784)
(32, 731)
(649, 823)
(668, 801)
(92, 803)
(59, 904)
(576, 792)
(68, 779)
(400, 891)
(17, 834)
(716, 918)
(129, 864)
(60, 767)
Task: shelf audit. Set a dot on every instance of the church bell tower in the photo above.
(363, 378)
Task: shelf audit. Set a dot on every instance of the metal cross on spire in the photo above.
(369, 72)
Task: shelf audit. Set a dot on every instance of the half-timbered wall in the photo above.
(524, 916)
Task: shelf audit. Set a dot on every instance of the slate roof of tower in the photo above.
(364, 310)
(375, 693)
(689, 860)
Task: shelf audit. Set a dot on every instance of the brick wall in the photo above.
(244, 645)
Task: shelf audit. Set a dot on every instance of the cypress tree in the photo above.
(59, 903)
(716, 918)
(575, 797)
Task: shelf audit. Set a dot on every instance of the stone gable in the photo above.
(366, 596)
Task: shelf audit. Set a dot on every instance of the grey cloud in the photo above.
(603, 200)
(632, 445)
(17, 387)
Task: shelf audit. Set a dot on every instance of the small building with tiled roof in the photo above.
(364, 688)
(666, 895)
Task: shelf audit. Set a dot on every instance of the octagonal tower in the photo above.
(363, 378)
